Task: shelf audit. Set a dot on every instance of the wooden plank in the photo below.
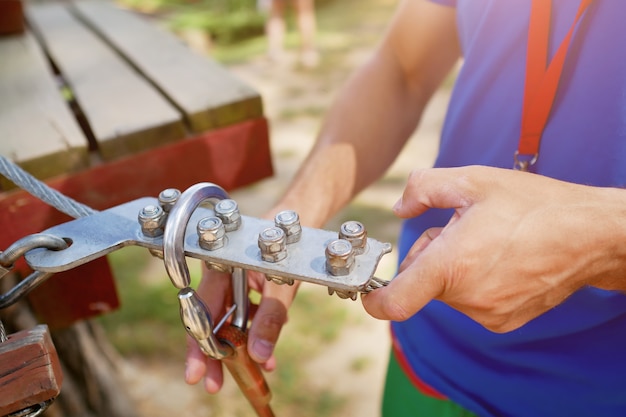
(206, 92)
(125, 113)
(30, 371)
(37, 128)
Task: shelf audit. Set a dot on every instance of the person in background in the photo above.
(275, 29)
(510, 296)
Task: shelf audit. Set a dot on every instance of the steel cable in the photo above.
(42, 191)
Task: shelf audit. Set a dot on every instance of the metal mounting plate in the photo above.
(106, 231)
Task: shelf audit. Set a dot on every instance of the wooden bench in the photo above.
(106, 107)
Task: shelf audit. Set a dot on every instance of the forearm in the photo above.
(358, 141)
(376, 112)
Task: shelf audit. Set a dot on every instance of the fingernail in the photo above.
(398, 204)
(262, 349)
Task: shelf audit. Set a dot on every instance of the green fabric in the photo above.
(402, 399)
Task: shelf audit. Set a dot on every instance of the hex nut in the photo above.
(339, 257)
(273, 244)
(228, 211)
(168, 197)
(152, 220)
(289, 221)
(211, 233)
(355, 233)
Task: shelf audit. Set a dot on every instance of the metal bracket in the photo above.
(94, 236)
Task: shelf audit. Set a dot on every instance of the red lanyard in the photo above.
(542, 79)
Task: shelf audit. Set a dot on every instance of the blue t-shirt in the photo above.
(570, 361)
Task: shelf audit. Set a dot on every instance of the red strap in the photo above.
(542, 80)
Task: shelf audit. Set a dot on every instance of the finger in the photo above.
(270, 317)
(420, 244)
(214, 289)
(256, 281)
(252, 309)
(416, 285)
(195, 365)
(436, 188)
(214, 378)
(198, 365)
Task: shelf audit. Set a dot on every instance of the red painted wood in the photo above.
(80, 293)
(11, 17)
(231, 157)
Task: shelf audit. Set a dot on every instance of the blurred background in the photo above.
(331, 356)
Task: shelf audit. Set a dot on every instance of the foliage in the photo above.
(223, 25)
(225, 21)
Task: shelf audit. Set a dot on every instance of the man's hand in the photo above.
(265, 328)
(517, 245)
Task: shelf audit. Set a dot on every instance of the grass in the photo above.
(332, 37)
(360, 364)
(314, 322)
(148, 323)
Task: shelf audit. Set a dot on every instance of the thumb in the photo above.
(407, 293)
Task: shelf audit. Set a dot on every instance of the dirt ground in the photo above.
(295, 100)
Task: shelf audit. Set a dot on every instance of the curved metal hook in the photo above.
(194, 313)
(176, 225)
(34, 241)
(17, 250)
(199, 325)
(23, 287)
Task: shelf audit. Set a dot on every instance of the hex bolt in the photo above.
(339, 257)
(152, 220)
(168, 197)
(273, 244)
(211, 232)
(356, 234)
(228, 211)
(289, 221)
